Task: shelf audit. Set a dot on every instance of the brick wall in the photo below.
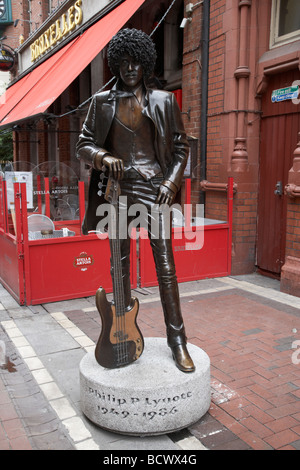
(290, 275)
(293, 228)
(215, 207)
(215, 90)
(12, 33)
(39, 12)
(36, 11)
(222, 131)
(191, 89)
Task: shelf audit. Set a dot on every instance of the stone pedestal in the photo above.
(150, 396)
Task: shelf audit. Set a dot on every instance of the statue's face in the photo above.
(131, 72)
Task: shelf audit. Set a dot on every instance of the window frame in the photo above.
(7, 16)
(275, 39)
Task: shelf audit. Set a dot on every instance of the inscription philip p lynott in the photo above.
(148, 408)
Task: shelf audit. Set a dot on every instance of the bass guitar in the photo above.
(121, 341)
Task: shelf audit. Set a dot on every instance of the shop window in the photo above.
(285, 25)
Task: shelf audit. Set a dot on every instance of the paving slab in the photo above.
(248, 328)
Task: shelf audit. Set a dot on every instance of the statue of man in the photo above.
(137, 133)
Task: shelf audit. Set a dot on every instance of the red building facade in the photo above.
(225, 62)
(254, 51)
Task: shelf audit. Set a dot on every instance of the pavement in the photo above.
(248, 328)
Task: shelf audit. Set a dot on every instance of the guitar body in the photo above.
(121, 342)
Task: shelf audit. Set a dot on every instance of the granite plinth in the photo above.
(150, 396)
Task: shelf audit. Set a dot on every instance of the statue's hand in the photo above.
(115, 166)
(165, 195)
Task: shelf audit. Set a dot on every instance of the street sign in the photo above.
(283, 94)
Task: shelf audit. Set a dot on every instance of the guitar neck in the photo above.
(112, 194)
(118, 288)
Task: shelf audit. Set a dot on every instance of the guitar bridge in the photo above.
(121, 335)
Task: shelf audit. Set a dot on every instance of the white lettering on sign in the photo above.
(82, 261)
(284, 94)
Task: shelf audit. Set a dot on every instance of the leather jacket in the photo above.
(170, 144)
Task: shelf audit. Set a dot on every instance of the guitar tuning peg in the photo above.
(100, 193)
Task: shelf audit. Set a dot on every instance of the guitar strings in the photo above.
(121, 312)
(115, 281)
(116, 289)
(122, 347)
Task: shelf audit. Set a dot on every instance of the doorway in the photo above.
(280, 125)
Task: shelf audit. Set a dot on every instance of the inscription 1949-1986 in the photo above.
(148, 407)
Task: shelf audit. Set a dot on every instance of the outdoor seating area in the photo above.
(44, 256)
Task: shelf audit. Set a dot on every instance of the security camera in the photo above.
(184, 22)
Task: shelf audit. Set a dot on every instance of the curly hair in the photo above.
(135, 43)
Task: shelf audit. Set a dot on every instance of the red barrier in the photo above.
(54, 269)
(11, 256)
(3, 206)
(194, 261)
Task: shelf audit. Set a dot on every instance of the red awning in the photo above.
(33, 94)
(17, 92)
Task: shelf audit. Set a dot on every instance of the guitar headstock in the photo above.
(113, 191)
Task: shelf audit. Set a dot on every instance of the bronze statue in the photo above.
(138, 135)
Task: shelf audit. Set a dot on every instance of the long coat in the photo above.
(171, 146)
